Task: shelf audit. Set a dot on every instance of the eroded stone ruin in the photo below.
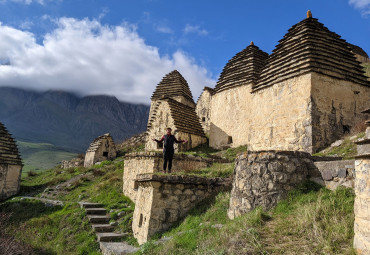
(10, 165)
(102, 148)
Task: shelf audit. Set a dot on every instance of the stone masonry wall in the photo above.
(152, 162)
(203, 109)
(361, 241)
(10, 179)
(333, 174)
(105, 150)
(163, 200)
(274, 118)
(263, 178)
(336, 108)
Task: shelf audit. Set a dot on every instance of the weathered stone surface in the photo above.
(102, 148)
(10, 165)
(76, 162)
(152, 162)
(263, 178)
(336, 173)
(361, 241)
(203, 109)
(117, 248)
(163, 200)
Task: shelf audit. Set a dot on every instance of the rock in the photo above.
(337, 143)
(327, 175)
(114, 223)
(352, 138)
(342, 173)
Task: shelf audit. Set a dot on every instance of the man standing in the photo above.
(168, 149)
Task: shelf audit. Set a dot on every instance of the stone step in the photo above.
(103, 219)
(96, 211)
(90, 205)
(109, 237)
(117, 248)
(102, 228)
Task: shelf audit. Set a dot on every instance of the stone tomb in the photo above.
(265, 177)
(10, 165)
(163, 200)
(102, 148)
(152, 162)
(361, 241)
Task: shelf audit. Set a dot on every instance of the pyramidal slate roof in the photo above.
(8, 148)
(185, 117)
(243, 68)
(98, 141)
(358, 50)
(311, 47)
(173, 84)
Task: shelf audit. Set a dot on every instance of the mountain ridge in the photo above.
(67, 120)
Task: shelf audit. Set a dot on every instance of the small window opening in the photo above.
(356, 92)
(346, 129)
(204, 119)
(105, 154)
(136, 185)
(229, 140)
(141, 220)
(159, 145)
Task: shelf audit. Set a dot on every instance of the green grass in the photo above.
(347, 150)
(312, 220)
(65, 230)
(41, 156)
(222, 170)
(50, 230)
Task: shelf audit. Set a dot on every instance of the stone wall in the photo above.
(263, 178)
(10, 179)
(336, 108)
(305, 113)
(277, 117)
(164, 119)
(163, 200)
(333, 174)
(152, 162)
(362, 201)
(76, 162)
(203, 109)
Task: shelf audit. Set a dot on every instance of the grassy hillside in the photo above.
(41, 156)
(313, 220)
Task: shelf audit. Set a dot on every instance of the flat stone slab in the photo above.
(117, 248)
(103, 228)
(90, 205)
(98, 218)
(96, 211)
(109, 237)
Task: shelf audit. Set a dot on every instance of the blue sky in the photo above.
(124, 48)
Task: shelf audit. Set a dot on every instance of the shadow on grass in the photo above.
(23, 210)
(32, 190)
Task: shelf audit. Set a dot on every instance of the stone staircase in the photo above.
(109, 241)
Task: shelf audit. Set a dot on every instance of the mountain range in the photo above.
(67, 120)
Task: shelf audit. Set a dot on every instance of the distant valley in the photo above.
(54, 125)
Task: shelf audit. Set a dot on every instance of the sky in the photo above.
(124, 47)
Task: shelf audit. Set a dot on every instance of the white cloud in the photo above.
(88, 57)
(362, 5)
(194, 29)
(164, 29)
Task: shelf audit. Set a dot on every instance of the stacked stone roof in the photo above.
(358, 50)
(242, 69)
(98, 141)
(311, 47)
(172, 85)
(185, 118)
(8, 148)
